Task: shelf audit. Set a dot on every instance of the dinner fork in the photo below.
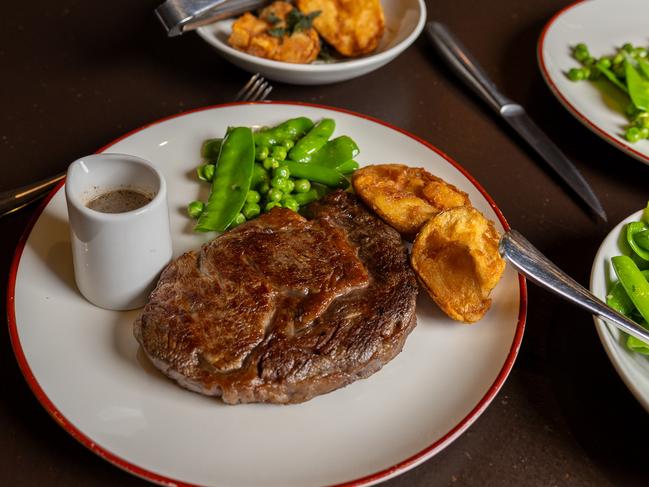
(528, 260)
(256, 89)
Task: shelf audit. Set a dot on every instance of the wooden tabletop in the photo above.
(76, 75)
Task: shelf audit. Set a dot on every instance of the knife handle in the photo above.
(465, 66)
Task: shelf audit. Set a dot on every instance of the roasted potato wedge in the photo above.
(405, 197)
(456, 258)
(352, 27)
(250, 34)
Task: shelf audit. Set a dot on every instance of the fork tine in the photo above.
(241, 95)
(266, 92)
(258, 90)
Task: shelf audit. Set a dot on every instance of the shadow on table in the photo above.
(601, 414)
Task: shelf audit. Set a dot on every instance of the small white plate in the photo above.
(404, 21)
(602, 25)
(632, 367)
(86, 368)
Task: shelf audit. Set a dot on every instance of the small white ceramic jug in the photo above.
(117, 256)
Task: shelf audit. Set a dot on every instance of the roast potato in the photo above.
(352, 27)
(405, 197)
(456, 258)
(250, 34)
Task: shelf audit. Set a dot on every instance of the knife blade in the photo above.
(468, 69)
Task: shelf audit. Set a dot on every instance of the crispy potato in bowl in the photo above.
(251, 34)
(404, 21)
(352, 27)
(456, 258)
(405, 197)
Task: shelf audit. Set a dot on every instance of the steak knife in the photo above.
(468, 69)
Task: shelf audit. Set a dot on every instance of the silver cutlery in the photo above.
(179, 16)
(468, 69)
(256, 89)
(533, 264)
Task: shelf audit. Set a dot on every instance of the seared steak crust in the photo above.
(282, 308)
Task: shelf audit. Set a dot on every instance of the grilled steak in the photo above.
(283, 308)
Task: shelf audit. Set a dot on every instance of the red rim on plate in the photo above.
(615, 141)
(382, 475)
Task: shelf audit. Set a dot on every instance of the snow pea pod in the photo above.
(348, 167)
(634, 283)
(319, 174)
(292, 129)
(231, 181)
(336, 152)
(307, 146)
(610, 75)
(644, 66)
(619, 300)
(632, 229)
(642, 239)
(638, 85)
(211, 148)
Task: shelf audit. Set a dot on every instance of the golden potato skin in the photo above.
(352, 27)
(456, 258)
(405, 197)
(249, 34)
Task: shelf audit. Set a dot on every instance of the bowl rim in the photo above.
(369, 60)
(612, 348)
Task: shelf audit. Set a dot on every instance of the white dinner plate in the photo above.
(404, 21)
(603, 25)
(86, 368)
(632, 367)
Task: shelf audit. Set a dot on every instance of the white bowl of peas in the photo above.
(619, 277)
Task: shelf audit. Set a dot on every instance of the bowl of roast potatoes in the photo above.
(314, 42)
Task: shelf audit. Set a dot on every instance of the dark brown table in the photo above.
(76, 75)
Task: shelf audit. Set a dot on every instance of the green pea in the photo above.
(274, 194)
(211, 149)
(270, 163)
(205, 172)
(252, 197)
(618, 59)
(289, 186)
(590, 61)
(575, 74)
(604, 62)
(278, 182)
(628, 47)
(302, 185)
(264, 187)
(287, 144)
(251, 210)
(581, 52)
(642, 123)
(261, 153)
(272, 204)
(633, 134)
(644, 133)
(291, 204)
(278, 153)
(238, 220)
(281, 172)
(640, 52)
(195, 208)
